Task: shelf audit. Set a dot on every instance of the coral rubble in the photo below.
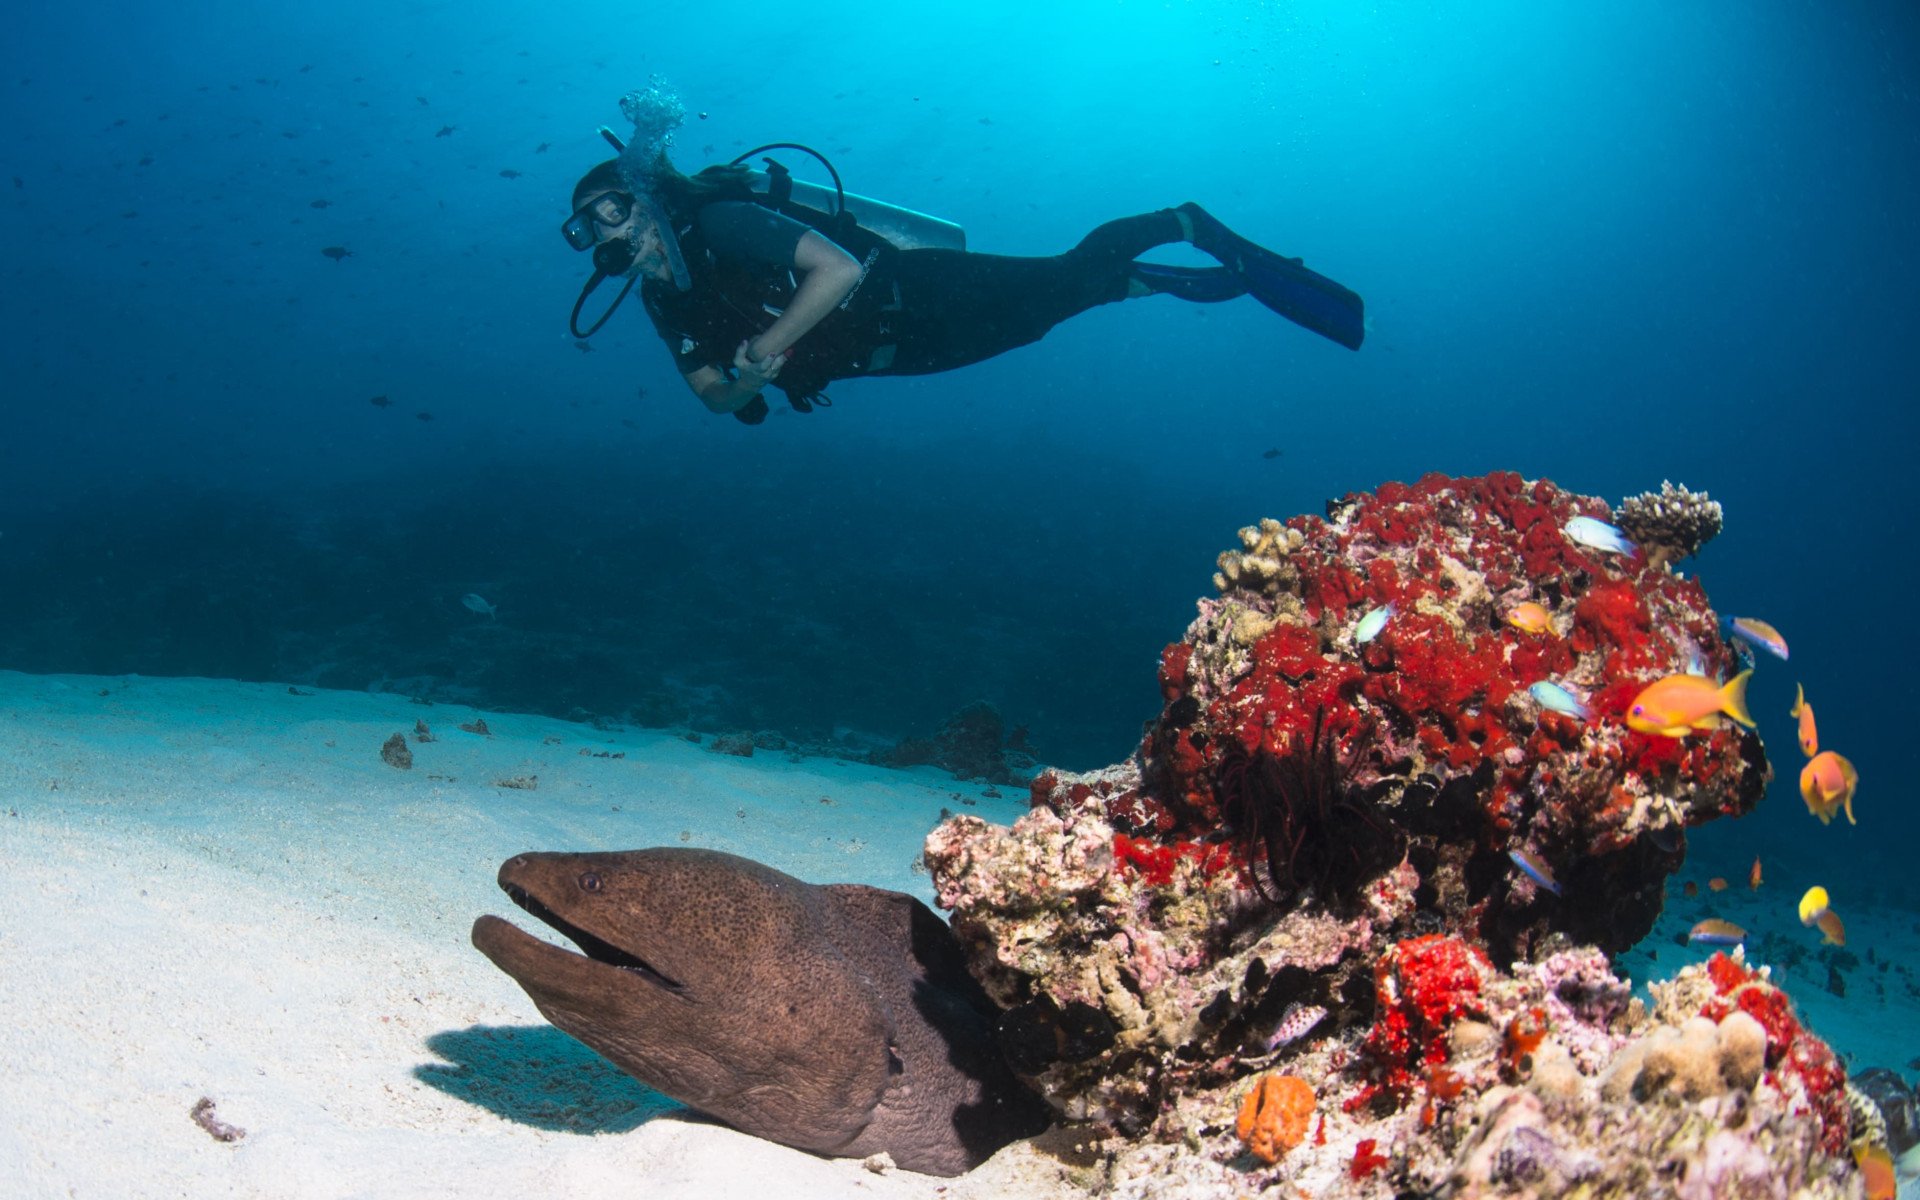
(1378, 863)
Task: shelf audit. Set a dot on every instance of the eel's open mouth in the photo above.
(594, 948)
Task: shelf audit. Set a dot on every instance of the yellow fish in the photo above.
(1529, 617)
(1809, 736)
(1812, 905)
(1827, 783)
(1679, 704)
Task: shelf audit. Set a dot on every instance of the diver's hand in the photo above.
(757, 371)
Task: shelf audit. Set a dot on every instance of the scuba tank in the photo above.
(904, 227)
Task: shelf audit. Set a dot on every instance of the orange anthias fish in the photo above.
(1679, 704)
(1827, 784)
(1876, 1171)
(1753, 876)
(1832, 932)
(1691, 888)
(1809, 736)
(1716, 884)
(1529, 617)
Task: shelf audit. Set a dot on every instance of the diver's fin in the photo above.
(1285, 285)
(1200, 285)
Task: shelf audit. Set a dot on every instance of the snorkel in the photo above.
(655, 114)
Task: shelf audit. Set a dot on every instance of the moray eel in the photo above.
(838, 1019)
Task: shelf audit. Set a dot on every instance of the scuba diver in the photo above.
(753, 279)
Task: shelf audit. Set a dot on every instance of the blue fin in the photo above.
(1285, 285)
(1200, 285)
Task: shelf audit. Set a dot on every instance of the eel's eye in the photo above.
(589, 882)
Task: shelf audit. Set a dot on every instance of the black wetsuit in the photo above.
(914, 312)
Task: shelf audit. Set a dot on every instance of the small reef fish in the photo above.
(1715, 932)
(1679, 704)
(1813, 904)
(1876, 1171)
(1535, 870)
(478, 604)
(1756, 632)
(1832, 932)
(1599, 535)
(1691, 889)
(381, 402)
(1370, 625)
(1809, 735)
(1827, 784)
(336, 253)
(1529, 617)
(1716, 884)
(1753, 876)
(1294, 1024)
(1551, 695)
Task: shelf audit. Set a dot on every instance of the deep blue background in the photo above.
(1601, 244)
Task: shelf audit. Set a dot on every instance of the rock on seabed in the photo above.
(1316, 818)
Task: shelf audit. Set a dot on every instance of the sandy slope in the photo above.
(219, 889)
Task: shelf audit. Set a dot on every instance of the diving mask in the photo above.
(614, 209)
(609, 208)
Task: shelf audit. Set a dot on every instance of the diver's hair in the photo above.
(686, 194)
(603, 178)
(681, 194)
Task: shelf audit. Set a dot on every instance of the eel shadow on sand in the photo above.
(838, 1019)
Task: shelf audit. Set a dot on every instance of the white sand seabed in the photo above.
(220, 889)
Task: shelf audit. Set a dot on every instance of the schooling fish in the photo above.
(1753, 876)
(1715, 932)
(1716, 884)
(1827, 784)
(1529, 617)
(1551, 695)
(1535, 870)
(1757, 632)
(336, 253)
(1370, 625)
(1679, 704)
(478, 604)
(1809, 736)
(1599, 535)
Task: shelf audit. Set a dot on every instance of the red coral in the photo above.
(1421, 987)
(1154, 864)
(1448, 680)
(1365, 1160)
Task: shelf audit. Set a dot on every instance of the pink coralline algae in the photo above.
(1323, 820)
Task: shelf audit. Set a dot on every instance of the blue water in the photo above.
(1606, 245)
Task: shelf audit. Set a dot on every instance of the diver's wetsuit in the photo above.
(914, 312)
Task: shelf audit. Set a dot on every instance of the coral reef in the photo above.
(1672, 523)
(1329, 822)
(974, 743)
